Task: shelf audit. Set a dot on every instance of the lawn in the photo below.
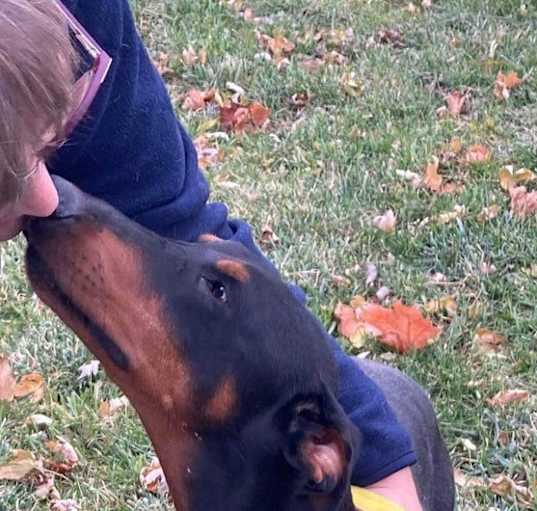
(344, 135)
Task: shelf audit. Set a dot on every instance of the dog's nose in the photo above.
(71, 199)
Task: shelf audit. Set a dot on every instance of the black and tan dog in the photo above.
(231, 376)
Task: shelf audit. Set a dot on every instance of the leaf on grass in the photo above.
(505, 487)
(32, 384)
(279, 47)
(446, 304)
(39, 420)
(191, 57)
(445, 218)
(64, 505)
(457, 103)
(208, 156)
(505, 83)
(506, 397)
(152, 478)
(487, 340)
(401, 327)
(46, 489)
(393, 37)
(489, 213)
(434, 181)
(22, 465)
(7, 381)
(523, 203)
(268, 237)
(351, 84)
(65, 457)
(371, 274)
(466, 481)
(239, 118)
(386, 222)
(88, 370)
(196, 99)
(108, 409)
(477, 153)
(162, 63)
(510, 178)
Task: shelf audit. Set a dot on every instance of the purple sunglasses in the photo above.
(94, 76)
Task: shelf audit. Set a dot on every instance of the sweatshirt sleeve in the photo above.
(131, 151)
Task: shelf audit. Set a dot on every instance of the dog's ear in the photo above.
(318, 444)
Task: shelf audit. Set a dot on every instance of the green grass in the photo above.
(318, 177)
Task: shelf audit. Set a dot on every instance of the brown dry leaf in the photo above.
(46, 489)
(259, 114)
(312, 65)
(191, 57)
(465, 481)
(268, 238)
(152, 478)
(435, 181)
(162, 63)
(390, 36)
(32, 384)
(446, 304)
(65, 457)
(457, 103)
(108, 409)
(509, 177)
(445, 218)
(240, 118)
(505, 487)
(196, 99)
(523, 203)
(21, 465)
(7, 381)
(347, 320)
(506, 397)
(351, 84)
(386, 222)
(401, 327)
(505, 83)
(300, 99)
(64, 505)
(487, 340)
(477, 153)
(208, 156)
(279, 47)
(489, 213)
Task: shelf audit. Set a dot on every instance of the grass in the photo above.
(318, 176)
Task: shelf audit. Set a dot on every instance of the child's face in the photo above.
(39, 198)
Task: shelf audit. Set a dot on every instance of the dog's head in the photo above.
(231, 376)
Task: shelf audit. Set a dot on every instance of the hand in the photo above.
(400, 488)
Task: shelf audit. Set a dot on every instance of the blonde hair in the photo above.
(36, 84)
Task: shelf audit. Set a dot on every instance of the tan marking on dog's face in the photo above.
(234, 269)
(224, 401)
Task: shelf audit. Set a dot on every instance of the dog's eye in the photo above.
(217, 289)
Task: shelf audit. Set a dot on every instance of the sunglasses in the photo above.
(94, 64)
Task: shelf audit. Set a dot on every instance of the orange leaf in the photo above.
(433, 180)
(477, 153)
(456, 103)
(487, 340)
(508, 396)
(347, 321)
(402, 327)
(386, 222)
(259, 114)
(30, 384)
(7, 381)
(207, 156)
(197, 99)
(523, 203)
(505, 84)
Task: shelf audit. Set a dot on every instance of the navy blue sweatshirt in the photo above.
(132, 152)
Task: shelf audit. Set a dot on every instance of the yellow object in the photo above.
(366, 500)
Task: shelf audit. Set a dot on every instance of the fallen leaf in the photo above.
(487, 340)
(434, 181)
(259, 114)
(39, 420)
(371, 274)
(506, 397)
(444, 218)
(239, 118)
(347, 320)
(489, 213)
(510, 178)
(351, 84)
(312, 65)
(196, 99)
(279, 47)
(89, 370)
(446, 304)
(415, 179)
(46, 489)
(31, 384)
(108, 409)
(390, 36)
(457, 103)
(208, 156)
(401, 327)
(268, 238)
(65, 457)
(477, 153)
(7, 381)
(383, 293)
(505, 83)
(467, 481)
(505, 487)
(523, 203)
(21, 465)
(386, 222)
(64, 505)
(152, 478)
(191, 57)
(300, 99)
(162, 64)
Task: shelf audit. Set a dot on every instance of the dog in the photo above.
(231, 376)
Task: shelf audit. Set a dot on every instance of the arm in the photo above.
(132, 152)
